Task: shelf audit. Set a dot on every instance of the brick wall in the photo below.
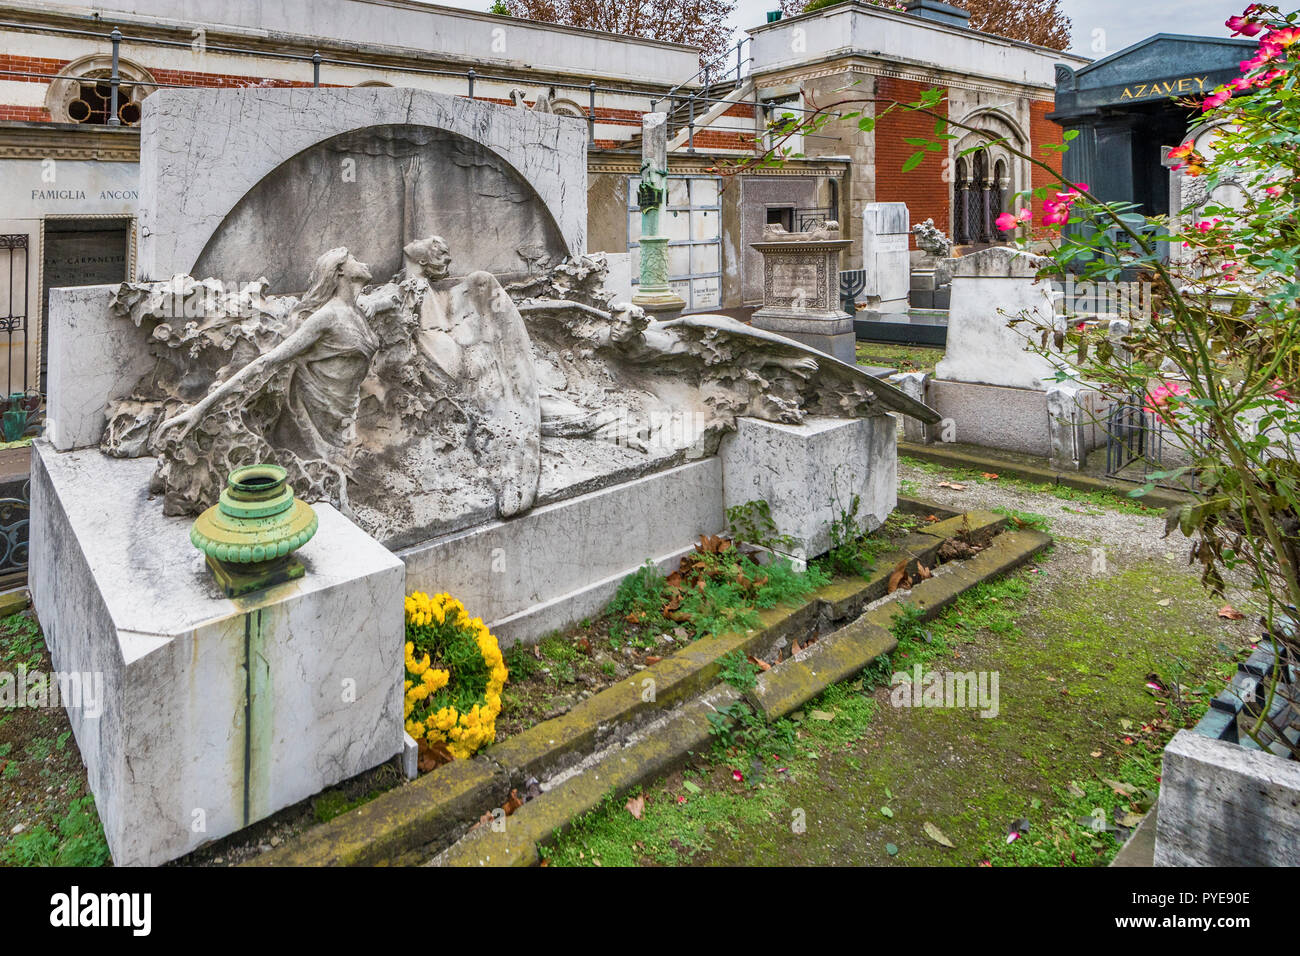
(28, 114)
(923, 189)
(1042, 130)
(12, 62)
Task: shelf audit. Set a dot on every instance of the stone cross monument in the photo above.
(653, 292)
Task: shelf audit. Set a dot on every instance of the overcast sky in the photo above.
(1100, 26)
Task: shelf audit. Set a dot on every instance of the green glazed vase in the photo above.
(250, 534)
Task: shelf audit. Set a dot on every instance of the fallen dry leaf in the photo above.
(989, 475)
(953, 485)
(636, 806)
(1230, 613)
(898, 576)
(937, 835)
(653, 660)
(512, 804)
(759, 663)
(922, 572)
(432, 756)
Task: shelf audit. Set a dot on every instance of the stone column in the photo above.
(653, 292)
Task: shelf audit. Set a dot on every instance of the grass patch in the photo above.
(1026, 519)
(1070, 762)
(905, 358)
(717, 589)
(77, 840)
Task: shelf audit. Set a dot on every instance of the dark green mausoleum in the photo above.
(1128, 105)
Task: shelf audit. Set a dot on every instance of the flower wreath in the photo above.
(454, 676)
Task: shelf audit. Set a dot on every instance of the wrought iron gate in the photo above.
(21, 408)
(1132, 437)
(13, 320)
(1136, 445)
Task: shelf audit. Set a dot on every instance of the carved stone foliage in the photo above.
(429, 403)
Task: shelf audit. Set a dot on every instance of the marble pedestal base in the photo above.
(215, 712)
(1063, 423)
(808, 474)
(827, 331)
(562, 562)
(661, 307)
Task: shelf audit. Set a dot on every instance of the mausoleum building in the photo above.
(69, 160)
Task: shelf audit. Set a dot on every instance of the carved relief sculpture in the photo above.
(431, 402)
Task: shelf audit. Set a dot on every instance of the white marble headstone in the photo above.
(886, 266)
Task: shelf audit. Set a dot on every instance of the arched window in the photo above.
(970, 201)
(83, 92)
(985, 175)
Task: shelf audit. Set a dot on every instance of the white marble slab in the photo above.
(94, 356)
(809, 473)
(216, 712)
(562, 562)
(202, 150)
(989, 289)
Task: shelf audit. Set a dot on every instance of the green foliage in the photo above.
(718, 591)
(555, 654)
(639, 596)
(737, 671)
(752, 523)
(521, 663)
(1026, 519)
(740, 732)
(908, 625)
(79, 842)
(851, 552)
(21, 642)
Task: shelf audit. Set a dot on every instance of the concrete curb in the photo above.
(414, 821)
(839, 656)
(516, 841)
(658, 750)
(943, 455)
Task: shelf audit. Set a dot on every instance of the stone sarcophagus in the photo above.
(509, 435)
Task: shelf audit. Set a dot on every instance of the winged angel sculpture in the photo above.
(430, 402)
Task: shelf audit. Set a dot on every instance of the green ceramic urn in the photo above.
(250, 534)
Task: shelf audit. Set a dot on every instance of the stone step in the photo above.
(660, 747)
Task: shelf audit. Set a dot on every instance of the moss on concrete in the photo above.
(1073, 651)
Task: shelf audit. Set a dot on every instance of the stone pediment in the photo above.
(1161, 67)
